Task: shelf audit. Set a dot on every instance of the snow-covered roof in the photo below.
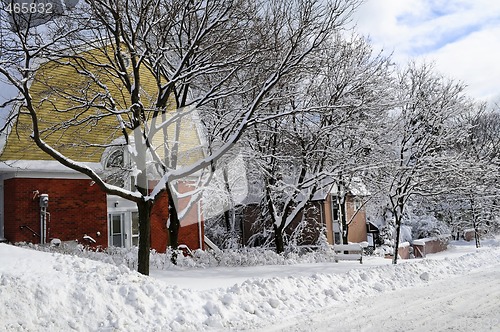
(83, 142)
(326, 187)
(355, 187)
(42, 166)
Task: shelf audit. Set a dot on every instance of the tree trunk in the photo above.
(227, 222)
(173, 228)
(399, 217)
(341, 202)
(343, 217)
(476, 231)
(474, 222)
(144, 236)
(174, 225)
(396, 244)
(278, 239)
(229, 213)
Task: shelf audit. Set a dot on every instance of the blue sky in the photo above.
(461, 37)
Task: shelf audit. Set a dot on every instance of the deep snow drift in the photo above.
(41, 291)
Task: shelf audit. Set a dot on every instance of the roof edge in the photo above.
(43, 166)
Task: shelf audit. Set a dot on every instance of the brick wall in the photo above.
(422, 247)
(159, 218)
(76, 208)
(188, 235)
(189, 230)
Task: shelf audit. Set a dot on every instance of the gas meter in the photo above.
(44, 200)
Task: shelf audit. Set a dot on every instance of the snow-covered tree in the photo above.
(422, 130)
(333, 111)
(474, 202)
(143, 66)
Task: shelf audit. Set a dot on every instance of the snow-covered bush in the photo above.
(427, 226)
(195, 259)
(406, 234)
(388, 235)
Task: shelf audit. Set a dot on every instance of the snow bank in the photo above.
(40, 291)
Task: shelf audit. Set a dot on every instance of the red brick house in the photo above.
(41, 200)
(77, 210)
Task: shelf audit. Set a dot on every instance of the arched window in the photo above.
(115, 168)
(115, 159)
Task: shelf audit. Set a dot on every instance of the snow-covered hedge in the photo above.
(427, 226)
(198, 258)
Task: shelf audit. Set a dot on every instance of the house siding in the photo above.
(306, 227)
(327, 219)
(310, 224)
(357, 227)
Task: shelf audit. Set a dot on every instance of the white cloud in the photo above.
(473, 60)
(460, 36)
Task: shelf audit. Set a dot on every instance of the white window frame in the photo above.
(357, 204)
(134, 236)
(128, 180)
(122, 229)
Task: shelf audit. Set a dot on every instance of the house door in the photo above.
(116, 230)
(369, 238)
(135, 228)
(336, 227)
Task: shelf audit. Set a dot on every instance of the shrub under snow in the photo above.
(197, 258)
(427, 226)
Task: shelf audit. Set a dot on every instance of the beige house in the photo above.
(356, 195)
(321, 215)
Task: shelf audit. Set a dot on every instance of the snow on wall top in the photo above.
(44, 166)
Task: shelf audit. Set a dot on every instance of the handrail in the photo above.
(30, 229)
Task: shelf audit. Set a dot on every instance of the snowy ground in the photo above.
(453, 291)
